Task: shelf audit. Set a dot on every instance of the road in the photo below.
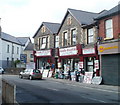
(50, 91)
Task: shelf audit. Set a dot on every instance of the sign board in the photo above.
(23, 58)
(50, 74)
(96, 64)
(80, 65)
(88, 51)
(43, 53)
(109, 48)
(88, 77)
(45, 73)
(97, 80)
(68, 51)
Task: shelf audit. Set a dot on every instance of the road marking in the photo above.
(96, 89)
(94, 99)
(53, 89)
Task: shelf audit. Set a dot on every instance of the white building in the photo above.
(11, 48)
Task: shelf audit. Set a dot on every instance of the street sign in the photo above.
(23, 58)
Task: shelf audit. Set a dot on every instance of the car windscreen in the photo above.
(36, 71)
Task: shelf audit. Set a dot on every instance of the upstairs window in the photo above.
(69, 20)
(56, 41)
(73, 35)
(90, 35)
(43, 29)
(8, 48)
(44, 42)
(109, 28)
(12, 49)
(17, 50)
(65, 38)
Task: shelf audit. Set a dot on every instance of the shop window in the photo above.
(90, 36)
(109, 28)
(65, 35)
(90, 64)
(73, 37)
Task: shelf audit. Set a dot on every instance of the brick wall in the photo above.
(116, 27)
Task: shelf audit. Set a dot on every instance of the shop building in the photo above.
(72, 37)
(46, 45)
(109, 45)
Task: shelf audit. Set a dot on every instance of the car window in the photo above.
(36, 71)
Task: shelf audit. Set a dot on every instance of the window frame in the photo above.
(109, 28)
(72, 30)
(56, 41)
(65, 40)
(89, 36)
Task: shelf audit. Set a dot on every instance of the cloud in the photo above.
(23, 17)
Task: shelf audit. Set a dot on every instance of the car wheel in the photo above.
(30, 77)
(20, 76)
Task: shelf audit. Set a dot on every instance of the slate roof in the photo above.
(115, 10)
(23, 40)
(9, 38)
(29, 47)
(53, 27)
(83, 17)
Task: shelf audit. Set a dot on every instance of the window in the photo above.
(90, 35)
(7, 61)
(68, 20)
(65, 35)
(56, 41)
(12, 49)
(17, 50)
(73, 36)
(31, 55)
(43, 29)
(109, 28)
(8, 48)
(44, 42)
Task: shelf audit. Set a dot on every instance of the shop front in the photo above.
(89, 63)
(109, 62)
(69, 59)
(44, 59)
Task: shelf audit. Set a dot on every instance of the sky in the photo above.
(22, 18)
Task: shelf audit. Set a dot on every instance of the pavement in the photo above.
(102, 87)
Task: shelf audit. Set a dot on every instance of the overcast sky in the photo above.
(23, 17)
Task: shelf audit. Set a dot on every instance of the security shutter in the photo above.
(110, 69)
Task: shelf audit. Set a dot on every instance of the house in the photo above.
(45, 45)
(77, 41)
(109, 45)
(10, 49)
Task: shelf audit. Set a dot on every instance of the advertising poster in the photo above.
(88, 77)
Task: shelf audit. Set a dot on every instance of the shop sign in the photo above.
(96, 63)
(80, 65)
(88, 77)
(68, 51)
(88, 51)
(43, 53)
(109, 48)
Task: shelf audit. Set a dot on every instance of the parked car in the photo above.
(31, 74)
(1, 70)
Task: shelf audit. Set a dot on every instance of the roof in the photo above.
(83, 17)
(53, 27)
(23, 40)
(29, 47)
(115, 10)
(10, 38)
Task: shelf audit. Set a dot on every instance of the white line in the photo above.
(53, 89)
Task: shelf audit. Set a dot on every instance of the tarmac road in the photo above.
(61, 91)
